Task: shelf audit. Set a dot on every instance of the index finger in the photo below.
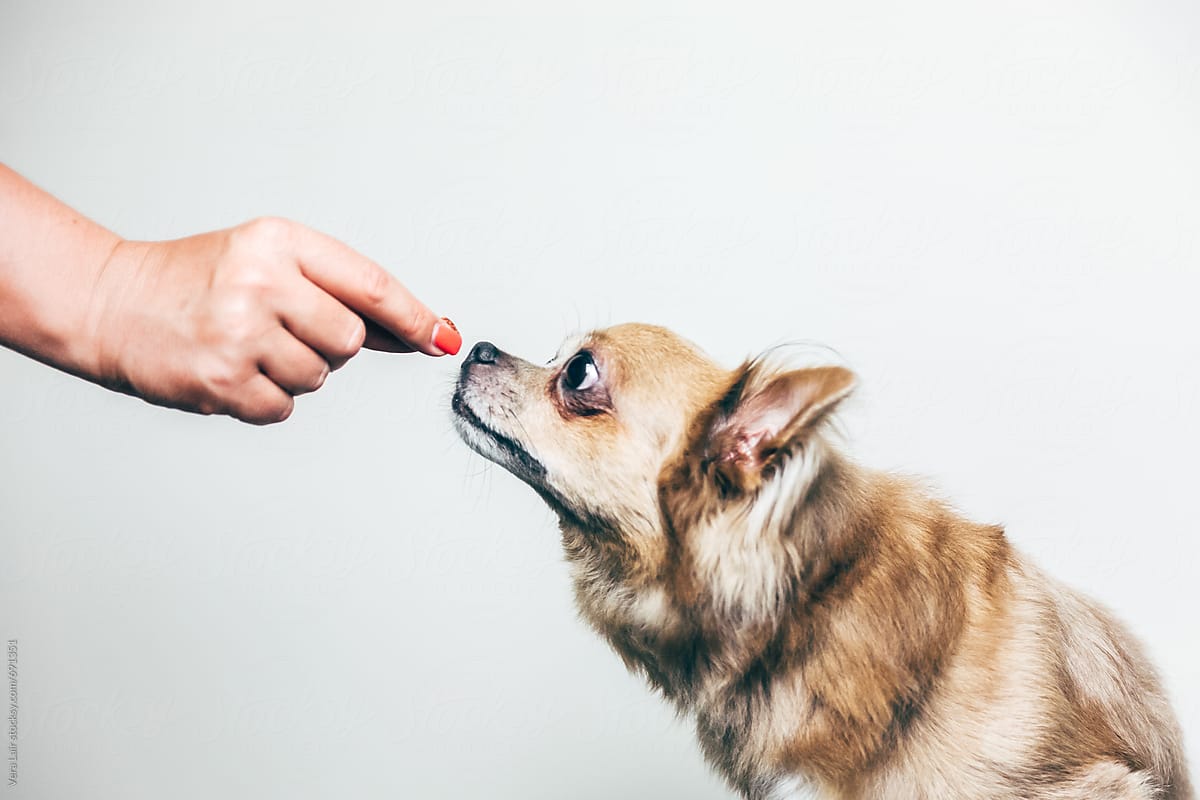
(371, 291)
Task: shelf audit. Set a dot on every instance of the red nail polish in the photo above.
(446, 337)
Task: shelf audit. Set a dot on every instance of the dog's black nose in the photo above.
(483, 353)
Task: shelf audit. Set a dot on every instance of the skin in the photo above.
(236, 321)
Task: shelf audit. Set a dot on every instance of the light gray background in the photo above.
(991, 210)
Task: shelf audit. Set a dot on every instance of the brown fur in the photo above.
(835, 631)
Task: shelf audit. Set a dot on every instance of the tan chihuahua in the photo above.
(835, 631)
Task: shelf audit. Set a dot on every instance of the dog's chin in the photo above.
(494, 445)
(512, 455)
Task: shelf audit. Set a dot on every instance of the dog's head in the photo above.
(631, 425)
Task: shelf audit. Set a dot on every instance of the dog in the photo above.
(834, 631)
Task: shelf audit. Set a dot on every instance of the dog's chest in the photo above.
(792, 787)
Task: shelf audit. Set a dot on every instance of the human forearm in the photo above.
(50, 258)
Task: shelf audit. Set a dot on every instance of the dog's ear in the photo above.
(766, 415)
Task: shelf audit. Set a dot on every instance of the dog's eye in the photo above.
(581, 372)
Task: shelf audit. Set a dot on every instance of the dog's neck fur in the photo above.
(820, 628)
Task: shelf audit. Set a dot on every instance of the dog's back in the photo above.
(1046, 697)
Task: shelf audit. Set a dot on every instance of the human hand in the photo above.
(242, 320)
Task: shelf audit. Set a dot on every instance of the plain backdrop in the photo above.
(991, 211)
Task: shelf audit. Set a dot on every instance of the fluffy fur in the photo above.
(834, 631)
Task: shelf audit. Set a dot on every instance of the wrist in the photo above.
(53, 262)
(47, 305)
(98, 343)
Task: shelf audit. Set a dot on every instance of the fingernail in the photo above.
(446, 337)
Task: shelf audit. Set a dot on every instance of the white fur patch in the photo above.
(651, 609)
(793, 787)
(741, 554)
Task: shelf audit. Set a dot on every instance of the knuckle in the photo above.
(271, 229)
(253, 280)
(207, 405)
(311, 379)
(376, 286)
(264, 233)
(412, 321)
(318, 380)
(282, 410)
(221, 377)
(239, 332)
(264, 408)
(237, 315)
(356, 334)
